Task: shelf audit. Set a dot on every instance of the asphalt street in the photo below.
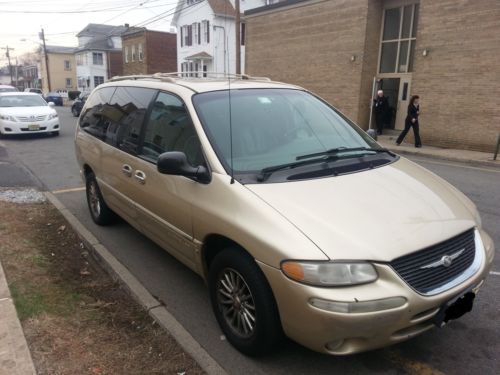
(469, 345)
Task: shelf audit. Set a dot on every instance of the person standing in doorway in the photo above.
(381, 109)
(412, 122)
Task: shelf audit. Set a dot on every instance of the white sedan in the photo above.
(26, 112)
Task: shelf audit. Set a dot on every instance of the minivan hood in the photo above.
(380, 214)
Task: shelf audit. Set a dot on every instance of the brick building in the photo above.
(148, 52)
(446, 51)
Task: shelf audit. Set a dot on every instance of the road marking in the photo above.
(453, 165)
(494, 273)
(71, 190)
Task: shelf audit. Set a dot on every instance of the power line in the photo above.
(114, 9)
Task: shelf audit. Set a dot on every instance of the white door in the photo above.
(403, 101)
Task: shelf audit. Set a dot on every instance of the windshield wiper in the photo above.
(266, 172)
(325, 156)
(339, 150)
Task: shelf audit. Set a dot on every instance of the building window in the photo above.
(79, 59)
(187, 35)
(206, 31)
(133, 53)
(69, 83)
(126, 54)
(140, 52)
(397, 47)
(97, 58)
(67, 65)
(98, 80)
(196, 33)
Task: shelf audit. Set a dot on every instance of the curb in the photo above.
(15, 356)
(154, 308)
(479, 163)
(435, 154)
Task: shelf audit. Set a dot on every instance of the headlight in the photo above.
(329, 273)
(53, 115)
(8, 118)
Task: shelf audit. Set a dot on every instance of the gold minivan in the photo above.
(298, 221)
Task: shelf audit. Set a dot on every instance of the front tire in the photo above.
(99, 211)
(74, 112)
(56, 133)
(243, 303)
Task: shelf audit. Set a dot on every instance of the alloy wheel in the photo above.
(95, 204)
(236, 302)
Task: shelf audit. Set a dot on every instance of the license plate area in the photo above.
(455, 308)
(33, 127)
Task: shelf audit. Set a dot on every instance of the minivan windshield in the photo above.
(276, 127)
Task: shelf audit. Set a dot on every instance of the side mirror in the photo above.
(51, 104)
(175, 163)
(372, 133)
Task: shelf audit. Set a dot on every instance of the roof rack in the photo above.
(174, 76)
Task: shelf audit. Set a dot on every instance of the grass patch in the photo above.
(29, 304)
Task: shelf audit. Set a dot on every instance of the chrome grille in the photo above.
(31, 118)
(423, 270)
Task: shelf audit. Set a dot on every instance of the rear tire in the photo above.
(74, 112)
(99, 211)
(243, 303)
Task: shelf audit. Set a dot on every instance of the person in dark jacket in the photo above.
(412, 122)
(381, 109)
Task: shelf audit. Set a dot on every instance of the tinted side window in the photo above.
(93, 121)
(169, 128)
(127, 110)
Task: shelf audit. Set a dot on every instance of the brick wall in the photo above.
(459, 80)
(161, 52)
(134, 67)
(115, 63)
(311, 45)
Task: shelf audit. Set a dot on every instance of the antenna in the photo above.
(226, 42)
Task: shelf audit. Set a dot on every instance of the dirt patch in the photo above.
(76, 319)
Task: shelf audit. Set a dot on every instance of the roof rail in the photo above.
(173, 76)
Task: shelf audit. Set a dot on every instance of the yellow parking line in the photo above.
(71, 190)
(412, 366)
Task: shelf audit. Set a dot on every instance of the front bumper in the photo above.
(347, 333)
(17, 127)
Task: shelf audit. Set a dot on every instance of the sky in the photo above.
(22, 20)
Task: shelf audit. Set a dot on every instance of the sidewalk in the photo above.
(463, 156)
(15, 357)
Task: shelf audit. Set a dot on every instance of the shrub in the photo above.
(72, 95)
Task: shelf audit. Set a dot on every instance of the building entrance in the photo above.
(397, 91)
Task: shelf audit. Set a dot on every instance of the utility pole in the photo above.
(8, 58)
(17, 74)
(238, 37)
(42, 36)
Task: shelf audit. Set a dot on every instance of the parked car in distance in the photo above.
(78, 104)
(26, 112)
(8, 88)
(35, 90)
(55, 98)
(298, 221)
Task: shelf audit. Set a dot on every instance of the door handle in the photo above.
(140, 176)
(127, 170)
